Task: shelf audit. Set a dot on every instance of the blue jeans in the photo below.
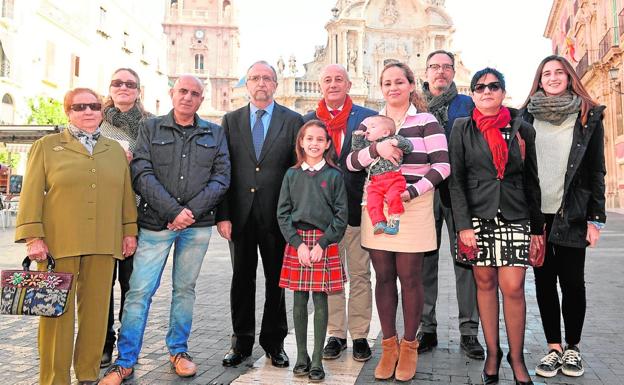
(150, 259)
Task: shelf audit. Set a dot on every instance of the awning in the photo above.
(25, 134)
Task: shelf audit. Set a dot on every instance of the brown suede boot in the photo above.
(389, 358)
(408, 359)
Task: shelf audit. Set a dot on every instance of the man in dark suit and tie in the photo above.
(261, 138)
(342, 117)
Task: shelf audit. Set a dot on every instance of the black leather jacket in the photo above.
(175, 168)
(475, 189)
(584, 184)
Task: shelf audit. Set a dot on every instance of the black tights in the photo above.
(511, 283)
(408, 267)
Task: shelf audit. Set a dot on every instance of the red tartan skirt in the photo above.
(327, 275)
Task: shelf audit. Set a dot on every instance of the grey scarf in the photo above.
(438, 105)
(129, 121)
(88, 139)
(553, 109)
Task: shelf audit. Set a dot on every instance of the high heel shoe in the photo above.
(530, 382)
(490, 379)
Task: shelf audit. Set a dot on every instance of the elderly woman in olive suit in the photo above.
(77, 204)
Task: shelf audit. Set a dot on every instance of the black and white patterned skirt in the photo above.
(501, 242)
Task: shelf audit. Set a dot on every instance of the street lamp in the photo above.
(613, 76)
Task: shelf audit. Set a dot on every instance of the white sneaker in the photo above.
(550, 364)
(572, 362)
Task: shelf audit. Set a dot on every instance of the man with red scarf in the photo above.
(342, 117)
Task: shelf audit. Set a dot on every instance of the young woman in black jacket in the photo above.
(572, 202)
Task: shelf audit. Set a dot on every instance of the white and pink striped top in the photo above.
(428, 163)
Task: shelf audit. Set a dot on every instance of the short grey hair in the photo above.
(264, 62)
(340, 66)
(191, 76)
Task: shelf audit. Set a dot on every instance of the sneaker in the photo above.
(471, 346)
(572, 362)
(426, 341)
(361, 350)
(550, 364)
(334, 348)
(392, 227)
(379, 228)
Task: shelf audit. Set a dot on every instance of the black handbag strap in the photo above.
(51, 263)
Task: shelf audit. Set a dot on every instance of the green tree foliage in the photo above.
(4, 158)
(46, 110)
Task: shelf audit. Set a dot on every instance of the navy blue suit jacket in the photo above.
(354, 181)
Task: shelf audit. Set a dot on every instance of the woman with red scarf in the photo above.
(495, 196)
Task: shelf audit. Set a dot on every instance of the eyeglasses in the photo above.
(437, 67)
(257, 78)
(83, 106)
(129, 84)
(479, 88)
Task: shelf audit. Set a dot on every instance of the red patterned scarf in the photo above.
(336, 125)
(490, 128)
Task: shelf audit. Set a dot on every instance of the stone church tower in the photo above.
(365, 35)
(203, 39)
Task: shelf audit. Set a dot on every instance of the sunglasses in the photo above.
(83, 106)
(479, 88)
(129, 84)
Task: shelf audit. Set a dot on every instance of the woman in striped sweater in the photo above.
(401, 255)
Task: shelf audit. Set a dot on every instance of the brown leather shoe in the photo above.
(183, 364)
(408, 360)
(116, 375)
(389, 358)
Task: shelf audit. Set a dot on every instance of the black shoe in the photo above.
(316, 374)
(302, 369)
(279, 358)
(471, 346)
(426, 341)
(234, 358)
(572, 362)
(334, 348)
(529, 382)
(361, 350)
(550, 364)
(107, 357)
(489, 379)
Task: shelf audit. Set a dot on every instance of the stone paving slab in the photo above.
(211, 331)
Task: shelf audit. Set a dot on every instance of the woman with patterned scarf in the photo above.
(572, 200)
(495, 193)
(78, 205)
(123, 115)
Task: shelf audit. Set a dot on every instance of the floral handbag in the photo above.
(38, 293)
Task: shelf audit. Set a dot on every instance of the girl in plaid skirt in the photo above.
(312, 215)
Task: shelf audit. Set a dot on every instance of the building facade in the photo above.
(363, 36)
(203, 39)
(78, 44)
(590, 34)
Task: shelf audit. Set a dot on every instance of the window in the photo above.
(7, 110)
(199, 62)
(50, 61)
(7, 8)
(5, 66)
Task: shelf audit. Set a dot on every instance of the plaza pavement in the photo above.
(602, 337)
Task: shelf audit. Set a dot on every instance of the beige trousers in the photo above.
(91, 287)
(360, 305)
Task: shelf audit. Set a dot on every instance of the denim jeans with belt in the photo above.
(150, 259)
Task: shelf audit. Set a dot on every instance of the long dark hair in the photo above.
(415, 98)
(108, 102)
(329, 155)
(574, 85)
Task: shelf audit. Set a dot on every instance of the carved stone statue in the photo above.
(352, 61)
(280, 66)
(292, 65)
(390, 13)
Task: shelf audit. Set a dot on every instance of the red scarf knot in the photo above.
(490, 126)
(336, 125)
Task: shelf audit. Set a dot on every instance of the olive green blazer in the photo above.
(78, 203)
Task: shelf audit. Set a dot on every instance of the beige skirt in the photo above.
(416, 231)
